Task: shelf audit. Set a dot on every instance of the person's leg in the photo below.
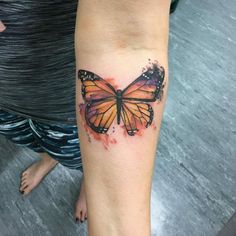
(119, 119)
(18, 130)
(35, 173)
(61, 145)
(54, 143)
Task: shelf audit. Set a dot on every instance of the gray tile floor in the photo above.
(194, 188)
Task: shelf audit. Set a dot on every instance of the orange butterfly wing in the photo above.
(100, 98)
(100, 115)
(94, 87)
(136, 113)
(147, 86)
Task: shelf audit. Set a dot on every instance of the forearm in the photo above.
(115, 40)
(110, 26)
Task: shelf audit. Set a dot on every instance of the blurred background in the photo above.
(194, 186)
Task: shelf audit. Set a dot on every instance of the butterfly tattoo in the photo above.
(103, 103)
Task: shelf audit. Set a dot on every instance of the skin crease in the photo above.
(115, 40)
(122, 22)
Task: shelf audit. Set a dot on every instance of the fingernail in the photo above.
(81, 221)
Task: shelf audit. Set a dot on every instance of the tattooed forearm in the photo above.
(132, 106)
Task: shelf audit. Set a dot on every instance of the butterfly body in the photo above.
(131, 105)
(118, 104)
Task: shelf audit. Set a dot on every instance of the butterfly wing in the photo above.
(100, 115)
(100, 100)
(147, 87)
(136, 113)
(94, 88)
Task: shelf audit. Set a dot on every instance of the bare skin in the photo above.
(35, 173)
(2, 26)
(113, 41)
(81, 206)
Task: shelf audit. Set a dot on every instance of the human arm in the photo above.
(115, 39)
